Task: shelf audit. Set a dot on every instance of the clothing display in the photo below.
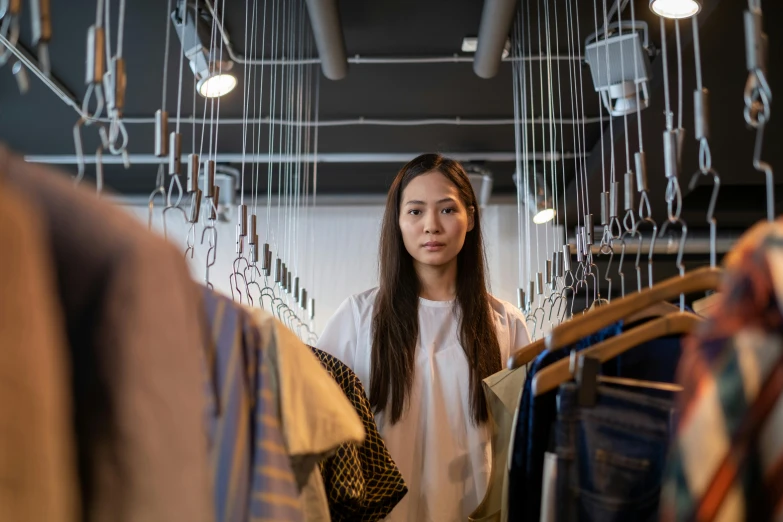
(534, 431)
(442, 455)
(316, 416)
(502, 391)
(726, 461)
(185, 330)
(611, 455)
(362, 482)
(133, 353)
(253, 479)
(37, 449)
(536, 423)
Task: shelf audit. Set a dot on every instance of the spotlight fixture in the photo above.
(620, 65)
(537, 204)
(213, 78)
(675, 8)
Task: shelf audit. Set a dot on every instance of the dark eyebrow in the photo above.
(417, 202)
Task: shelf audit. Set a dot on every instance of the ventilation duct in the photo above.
(618, 64)
(328, 33)
(481, 181)
(496, 20)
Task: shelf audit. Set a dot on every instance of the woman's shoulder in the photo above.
(511, 324)
(360, 305)
(364, 299)
(505, 309)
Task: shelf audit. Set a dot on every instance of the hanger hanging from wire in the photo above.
(672, 146)
(758, 93)
(175, 191)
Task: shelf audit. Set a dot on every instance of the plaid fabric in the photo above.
(253, 480)
(727, 461)
(362, 482)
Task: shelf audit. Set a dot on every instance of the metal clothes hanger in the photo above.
(758, 93)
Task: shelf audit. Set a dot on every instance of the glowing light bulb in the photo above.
(544, 216)
(675, 8)
(216, 85)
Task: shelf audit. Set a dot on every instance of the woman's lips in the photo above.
(433, 246)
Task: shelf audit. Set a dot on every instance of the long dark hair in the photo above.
(395, 323)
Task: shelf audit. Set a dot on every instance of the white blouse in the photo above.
(444, 458)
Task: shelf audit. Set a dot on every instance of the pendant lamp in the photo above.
(675, 8)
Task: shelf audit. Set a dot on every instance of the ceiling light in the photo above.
(536, 197)
(209, 66)
(675, 8)
(216, 84)
(544, 216)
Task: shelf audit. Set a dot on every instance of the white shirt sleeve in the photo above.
(340, 335)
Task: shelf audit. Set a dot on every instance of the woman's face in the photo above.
(433, 219)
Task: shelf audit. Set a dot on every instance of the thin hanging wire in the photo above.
(165, 54)
(544, 111)
(625, 113)
(272, 104)
(609, 79)
(533, 127)
(636, 84)
(518, 155)
(581, 86)
(562, 132)
(572, 79)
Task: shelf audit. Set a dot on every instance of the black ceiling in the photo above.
(40, 123)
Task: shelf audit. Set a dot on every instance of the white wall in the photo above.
(345, 246)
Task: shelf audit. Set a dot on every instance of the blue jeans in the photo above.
(611, 457)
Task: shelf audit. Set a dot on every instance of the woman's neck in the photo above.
(437, 283)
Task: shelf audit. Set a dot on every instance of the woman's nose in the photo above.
(432, 223)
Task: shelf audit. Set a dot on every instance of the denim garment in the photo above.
(535, 421)
(611, 456)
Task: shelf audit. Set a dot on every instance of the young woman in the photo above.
(422, 342)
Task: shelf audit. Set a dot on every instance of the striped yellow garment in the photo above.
(253, 480)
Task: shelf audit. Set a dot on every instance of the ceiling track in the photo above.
(325, 157)
(190, 120)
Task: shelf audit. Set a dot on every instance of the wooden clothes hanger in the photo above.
(678, 323)
(699, 280)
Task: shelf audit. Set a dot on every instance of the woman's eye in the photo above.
(449, 210)
(414, 212)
